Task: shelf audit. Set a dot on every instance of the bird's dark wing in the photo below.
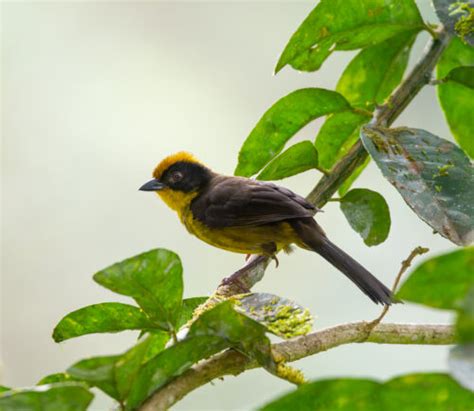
(236, 201)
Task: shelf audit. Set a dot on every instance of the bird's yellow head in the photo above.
(178, 179)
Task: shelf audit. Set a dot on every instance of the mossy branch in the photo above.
(231, 362)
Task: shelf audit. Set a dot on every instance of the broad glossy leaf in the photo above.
(294, 160)
(434, 177)
(129, 364)
(415, 392)
(55, 378)
(154, 280)
(461, 365)
(465, 318)
(98, 372)
(68, 396)
(281, 122)
(442, 281)
(336, 136)
(373, 74)
(450, 12)
(279, 315)
(347, 25)
(457, 99)
(368, 214)
(101, 318)
(171, 363)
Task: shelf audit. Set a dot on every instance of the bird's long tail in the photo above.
(315, 239)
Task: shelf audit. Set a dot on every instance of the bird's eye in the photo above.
(176, 176)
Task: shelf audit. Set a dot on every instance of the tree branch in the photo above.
(231, 362)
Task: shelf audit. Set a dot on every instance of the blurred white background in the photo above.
(94, 94)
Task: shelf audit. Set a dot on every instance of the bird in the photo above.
(248, 216)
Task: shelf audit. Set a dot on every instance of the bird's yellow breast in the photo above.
(244, 239)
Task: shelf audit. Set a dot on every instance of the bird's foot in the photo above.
(274, 258)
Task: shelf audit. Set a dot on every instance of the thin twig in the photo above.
(405, 265)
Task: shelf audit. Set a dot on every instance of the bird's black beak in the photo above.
(152, 185)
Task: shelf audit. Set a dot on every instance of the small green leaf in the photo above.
(239, 331)
(129, 364)
(375, 72)
(98, 372)
(68, 396)
(465, 319)
(338, 133)
(368, 214)
(3, 388)
(456, 97)
(433, 175)
(101, 318)
(442, 281)
(281, 122)
(415, 392)
(169, 364)
(347, 25)
(294, 160)
(154, 279)
(462, 75)
(280, 316)
(187, 311)
(461, 365)
(219, 328)
(54, 378)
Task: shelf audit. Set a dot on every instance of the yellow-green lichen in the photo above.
(289, 321)
(290, 374)
(465, 25)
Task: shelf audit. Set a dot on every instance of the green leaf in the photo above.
(187, 311)
(171, 363)
(98, 372)
(368, 214)
(294, 160)
(219, 328)
(129, 364)
(64, 396)
(465, 319)
(461, 365)
(454, 14)
(101, 318)
(154, 280)
(456, 98)
(280, 316)
(375, 72)
(415, 392)
(442, 281)
(338, 133)
(461, 75)
(434, 177)
(54, 378)
(3, 388)
(347, 25)
(281, 122)
(239, 331)
(346, 185)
